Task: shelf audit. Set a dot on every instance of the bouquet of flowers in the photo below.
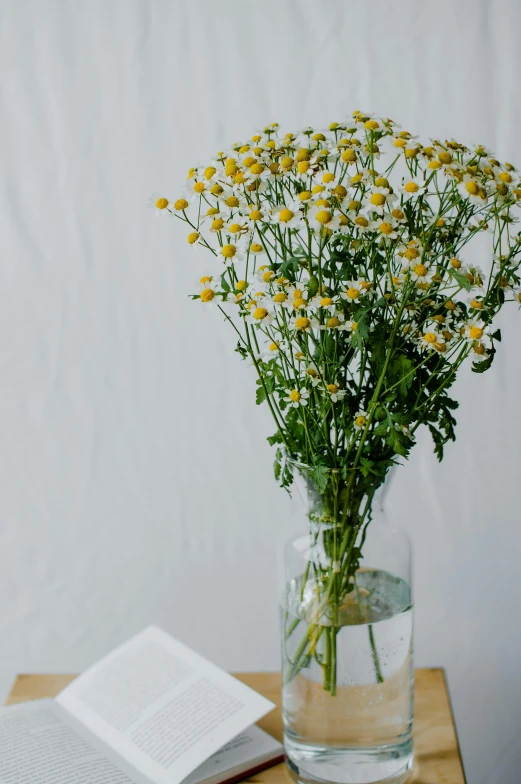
(341, 265)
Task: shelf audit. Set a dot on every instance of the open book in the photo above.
(151, 712)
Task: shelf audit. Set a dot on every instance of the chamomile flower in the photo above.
(517, 295)
(230, 254)
(360, 420)
(362, 223)
(259, 315)
(386, 228)
(420, 271)
(287, 218)
(478, 352)
(475, 303)
(301, 323)
(353, 291)
(430, 338)
(313, 375)
(379, 199)
(335, 393)
(333, 322)
(475, 329)
(412, 188)
(321, 217)
(470, 188)
(160, 204)
(298, 397)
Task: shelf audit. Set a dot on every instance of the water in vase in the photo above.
(359, 731)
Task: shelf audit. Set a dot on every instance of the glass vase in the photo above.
(346, 629)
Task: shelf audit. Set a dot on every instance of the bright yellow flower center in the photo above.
(381, 182)
(299, 303)
(329, 177)
(411, 152)
(353, 205)
(420, 270)
(302, 167)
(456, 263)
(235, 228)
(323, 203)
(260, 313)
(239, 177)
(333, 322)
(256, 138)
(241, 285)
(429, 337)
(274, 347)
(398, 214)
(378, 199)
(205, 279)
(256, 248)
(257, 150)
(181, 204)
(287, 162)
(319, 188)
(267, 276)
(286, 215)
(303, 154)
(255, 215)
(312, 372)
(207, 295)
(505, 177)
(162, 204)
(352, 293)
(199, 187)
(332, 389)
(323, 216)
(249, 161)
(476, 304)
(212, 211)
(280, 297)
(385, 228)
(476, 333)
(450, 305)
(361, 221)
(325, 302)
(193, 237)
(371, 125)
(360, 420)
(302, 323)
(232, 201)
(357, 178)
(340, 191)
(472, 187)
(209, 172)
(411, 187)
(399, 142)
(295, 396)
(217, 224)
(228, 251)
(257, 168)
(445, 157)
(216, 189)
(349, 156)
(305, 195)
(297, 294)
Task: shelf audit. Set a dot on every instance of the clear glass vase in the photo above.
(347, 647)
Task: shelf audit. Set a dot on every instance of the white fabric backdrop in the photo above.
(136, 480)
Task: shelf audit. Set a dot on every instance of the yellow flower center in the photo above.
(450, 305)
(267, 276)
(162, 204)
(476, 333)
(231, 169)
(319, 188)
(207, 295)
(378, 199)
(228, 251)
(302, 323)
(299, 303)
(411, 187)
(476, 304)
(302, 167)
(361, 221)
(280, 297)
(205, 279)
(312, 372)
(352, 293)
(303, 154)
(199, 187)
(287, 162)
(479, 348)
(429, 337)
(257, 150)
(239, 177)
(434, 164)
(349, 156)
(420, 270)
(257, 168)
(411, 152)
(216, 189)
(193, 237)
(399, 143)
(353, 205)
(439, 223)
(472, 187)
(241, 285)
(323, 203)
(255, 215)
(385, 228)
(323, 216)
(360, 420)
(295, 396)
(357, 178)
(181, 204)
(456, 263)
(232, 201)
(329, 177)
(217, 224)
(333, 322)
(318, 137)
(332, 389)
(235, 228)
(299, 355)
(256, 248)
(505, 177)
(305, 195)
(274, 347)
(286, 215)
(256, 138)
(249, 161)
(209, 172)
(371, 125)
(445, 157)
(340, 191)
(398, 214)
(212, 211)
(260, 313)
(325, 302)
(381, 182)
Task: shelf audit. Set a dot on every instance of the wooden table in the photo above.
(437, 754)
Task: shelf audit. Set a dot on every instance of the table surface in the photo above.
(437, 754)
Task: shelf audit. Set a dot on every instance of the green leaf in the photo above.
(276, 438)
(496, 335)
(402, 372)
(462, 280)
(320, 476)
(313, 285)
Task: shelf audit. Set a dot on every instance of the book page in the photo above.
(250, 745)
(161, 706)
(39, 746)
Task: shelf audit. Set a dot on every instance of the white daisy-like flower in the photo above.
(399, 215)
(354, 290)
(379, 199)
(257, 249)
(160, 204)
(386, 228)
(287, 218)
(430, 338)
(362, 223)
(265, 275)
(420, 271)
(473, 190)
(298, 397)
(321, 217)
(334, 322)
(259, 315)
(360, 419)
(230, 253)
(412, 188)
(313, 375)
(517, 295)
(349, 326)
(325, 179)
(271, 350)
(301, 323)
(474, 303)
(335, 393)
(475, 329)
